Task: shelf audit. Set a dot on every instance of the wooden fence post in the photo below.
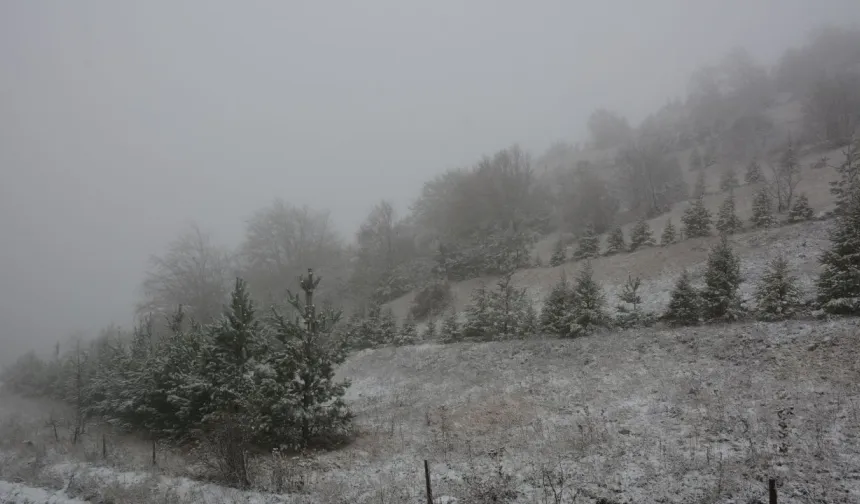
(427, 479)
(153, 451)
(771, 487)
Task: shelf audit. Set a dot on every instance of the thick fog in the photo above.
(123, 122)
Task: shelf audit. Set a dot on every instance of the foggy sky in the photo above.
(122, 122)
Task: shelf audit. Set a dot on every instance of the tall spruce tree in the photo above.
(387, 328)
(727, 219)
(589, 244)
(555, 315)
(408, 333)
(236, 340)
(530, 323)
(849, 177)
(697, 220)
(615, 242)
(777, 295)
(800, 210)
(753, 174)
(450, 330)
(507, 307)
(429, 330)
(720, 298)
(559, 253)
(685, 304)
(479, 324)
(589, 303)
(629, 313)
(839, 282)
(669, 235)
(762, 211)
(641, 236)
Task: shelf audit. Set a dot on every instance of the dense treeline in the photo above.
(241, 382)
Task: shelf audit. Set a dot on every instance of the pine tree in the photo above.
(839, 282)
(631, 316)
(429, 330)
(310, 407)
(615, 242)
(507, 307)
(685, 305)
(450, 330)
(800, 210)
(559, 254)
(696, 220)
(762, 213)
(699, 189)
(589, 244)
(753, 174)
(408, 331)
(387, 328)
(641, 236)
(669, 235)
(720, 298)
(555, 315)
(530, 324)
(727, 219)
(729, 180)
(849, 177)
(478, 315)
(777, 295)
(235, 341)
(589, 303)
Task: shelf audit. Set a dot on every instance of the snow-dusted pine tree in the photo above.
(530, 325)
(800, 210)
(507, 307)
(629, 313)
(727, 219)
(777, 295)
(559, 253)
(387, 328)
(762, 212)
(699, 189)
(429, 333)
(450, 330)
(589, 244)
(849, 176)
(641, 236)
(753, 174)
(615, 242)
(589, 303)
(839, 283)
(685, 306)
(555, 316)
(697, 220)
(720, 298)
(729, 180)
(408, 333)
(479, 324)
(669, 234)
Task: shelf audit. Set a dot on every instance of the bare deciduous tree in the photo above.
(193, 273)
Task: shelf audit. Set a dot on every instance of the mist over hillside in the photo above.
(295, 253)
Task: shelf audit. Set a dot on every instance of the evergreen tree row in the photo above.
(272, 378)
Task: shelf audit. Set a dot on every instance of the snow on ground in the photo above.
(658, 415)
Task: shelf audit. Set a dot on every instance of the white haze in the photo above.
(122, 122)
